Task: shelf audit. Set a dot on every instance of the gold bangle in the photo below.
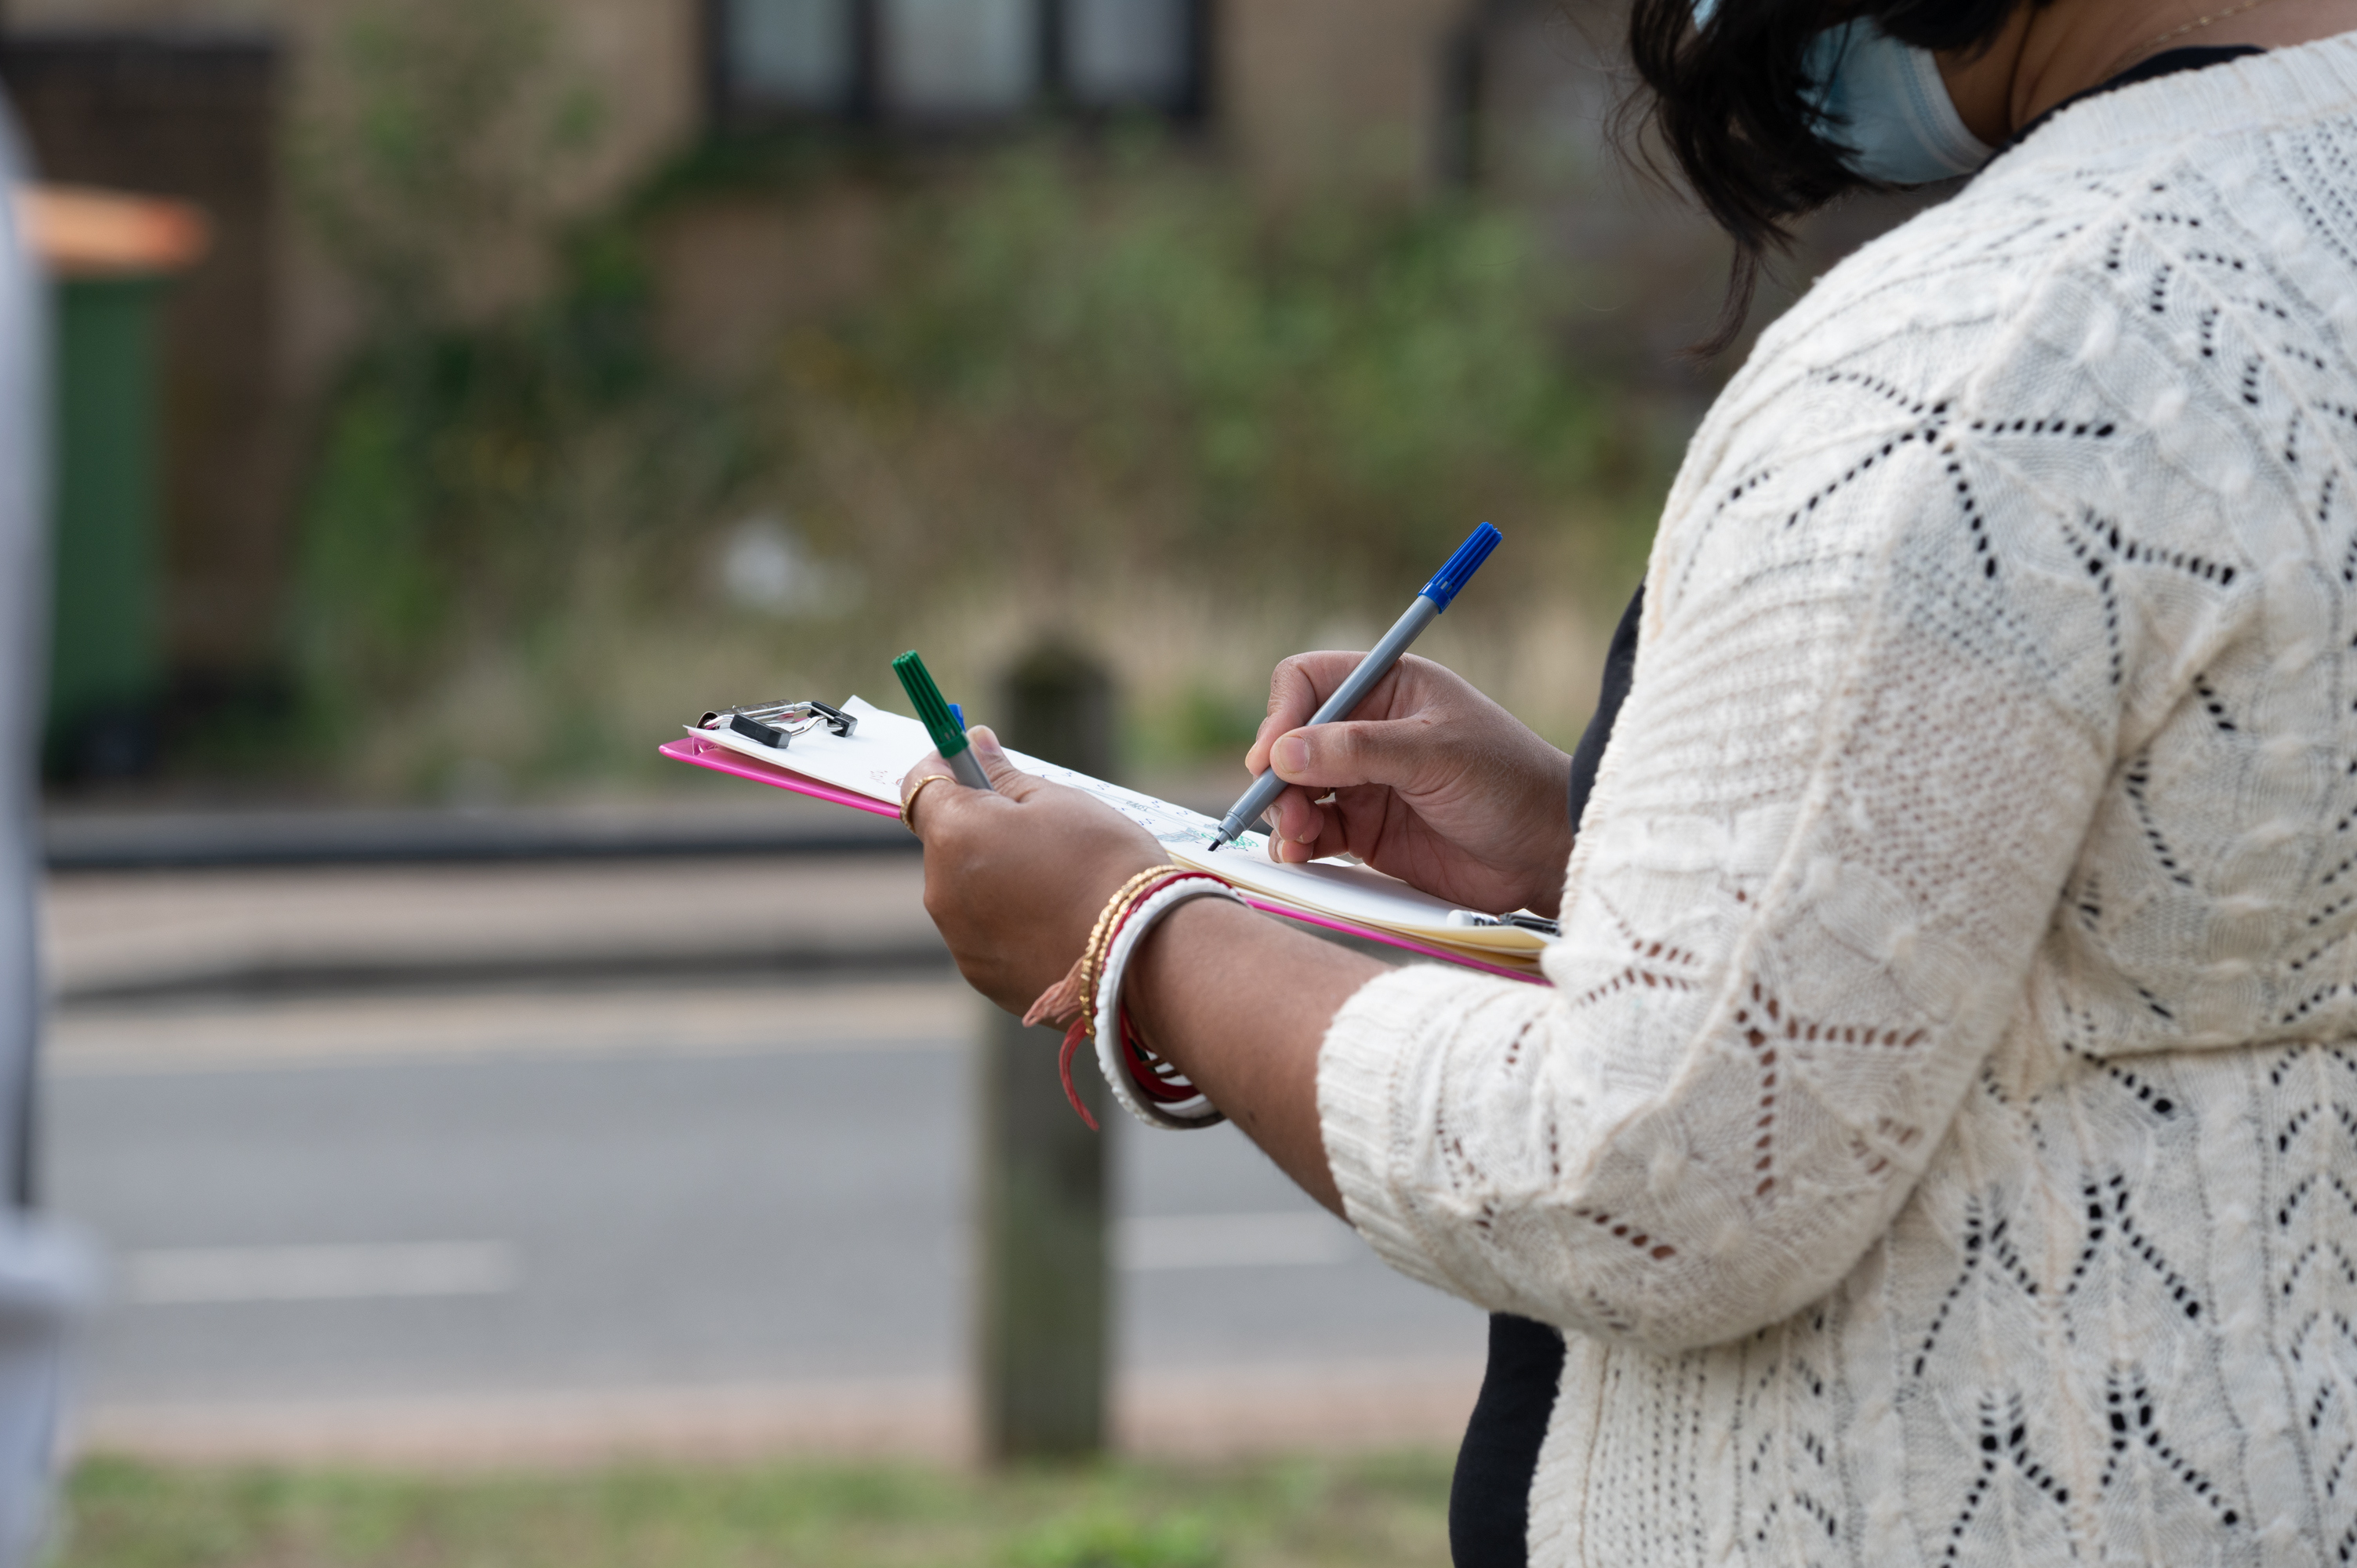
(1069, 1000)
(1103, 926)
(1093, 957)
(909, 806)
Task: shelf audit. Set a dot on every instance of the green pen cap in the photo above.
(948, 739)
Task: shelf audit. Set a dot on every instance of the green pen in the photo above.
(948, 736)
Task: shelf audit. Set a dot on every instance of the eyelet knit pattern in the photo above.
(1939, 1145)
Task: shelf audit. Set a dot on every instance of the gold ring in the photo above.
(909, 805)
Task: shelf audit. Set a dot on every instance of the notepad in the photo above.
(863, 770)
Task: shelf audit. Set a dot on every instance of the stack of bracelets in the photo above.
(1147, 1087)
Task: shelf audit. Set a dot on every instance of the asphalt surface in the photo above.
(687, 1207)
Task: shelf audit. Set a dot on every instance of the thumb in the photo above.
(1004, 776)
(1394, 752)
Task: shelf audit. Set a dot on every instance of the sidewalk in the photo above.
(1217, 1413)
(156, 935)
(764, 822)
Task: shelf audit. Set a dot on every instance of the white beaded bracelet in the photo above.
(1198, 1112)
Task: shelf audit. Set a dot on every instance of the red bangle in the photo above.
(1154, 1077)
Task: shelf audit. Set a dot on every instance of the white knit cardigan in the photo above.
(1939, 1144)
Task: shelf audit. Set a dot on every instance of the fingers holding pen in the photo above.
(1298, 817)
(933, 774)
(1301, 822)
(1398, 743)
(1337, 772)
(1297, 687)
(1279, 723)
(1399, 754)
(1005, 779)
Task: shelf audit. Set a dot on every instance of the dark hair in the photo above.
(1727, 102)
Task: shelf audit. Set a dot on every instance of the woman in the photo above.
(1936, 1145)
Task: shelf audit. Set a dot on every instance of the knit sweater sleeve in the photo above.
(1875, 704)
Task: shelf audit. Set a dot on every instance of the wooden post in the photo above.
(1042, 1293)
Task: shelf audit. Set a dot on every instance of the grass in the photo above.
(1367, 1512)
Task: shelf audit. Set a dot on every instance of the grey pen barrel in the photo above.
(966, 771)
(1347, 696)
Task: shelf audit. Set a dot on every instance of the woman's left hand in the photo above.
(1015, 876)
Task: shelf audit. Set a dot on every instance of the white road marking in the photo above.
(1286, 1239)
(177, 1276)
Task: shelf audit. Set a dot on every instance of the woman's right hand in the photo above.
(1433, 783)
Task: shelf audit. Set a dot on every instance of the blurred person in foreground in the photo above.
(1939, 1142)
(43, 1272)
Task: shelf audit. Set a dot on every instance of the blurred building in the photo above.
(195, 98)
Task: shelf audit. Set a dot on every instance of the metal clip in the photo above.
(1475, 920)
(775, 724)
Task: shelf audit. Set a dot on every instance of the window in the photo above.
(936, 62)
(1119, 53)
(787, 56)
(958, 59)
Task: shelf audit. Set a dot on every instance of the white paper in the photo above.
(877, 755)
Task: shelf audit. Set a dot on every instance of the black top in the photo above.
(1490, 1499)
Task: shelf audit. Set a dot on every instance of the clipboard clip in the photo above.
(775, 724)
(1473, 919)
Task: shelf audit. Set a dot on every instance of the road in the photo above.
(524, 1220)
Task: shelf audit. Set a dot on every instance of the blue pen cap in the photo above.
(957, 716)
(1461, 566)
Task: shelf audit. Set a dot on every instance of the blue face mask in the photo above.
(1892, 118)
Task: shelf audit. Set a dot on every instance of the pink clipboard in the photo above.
(697, 753)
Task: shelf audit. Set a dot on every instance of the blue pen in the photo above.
(1430, 601)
